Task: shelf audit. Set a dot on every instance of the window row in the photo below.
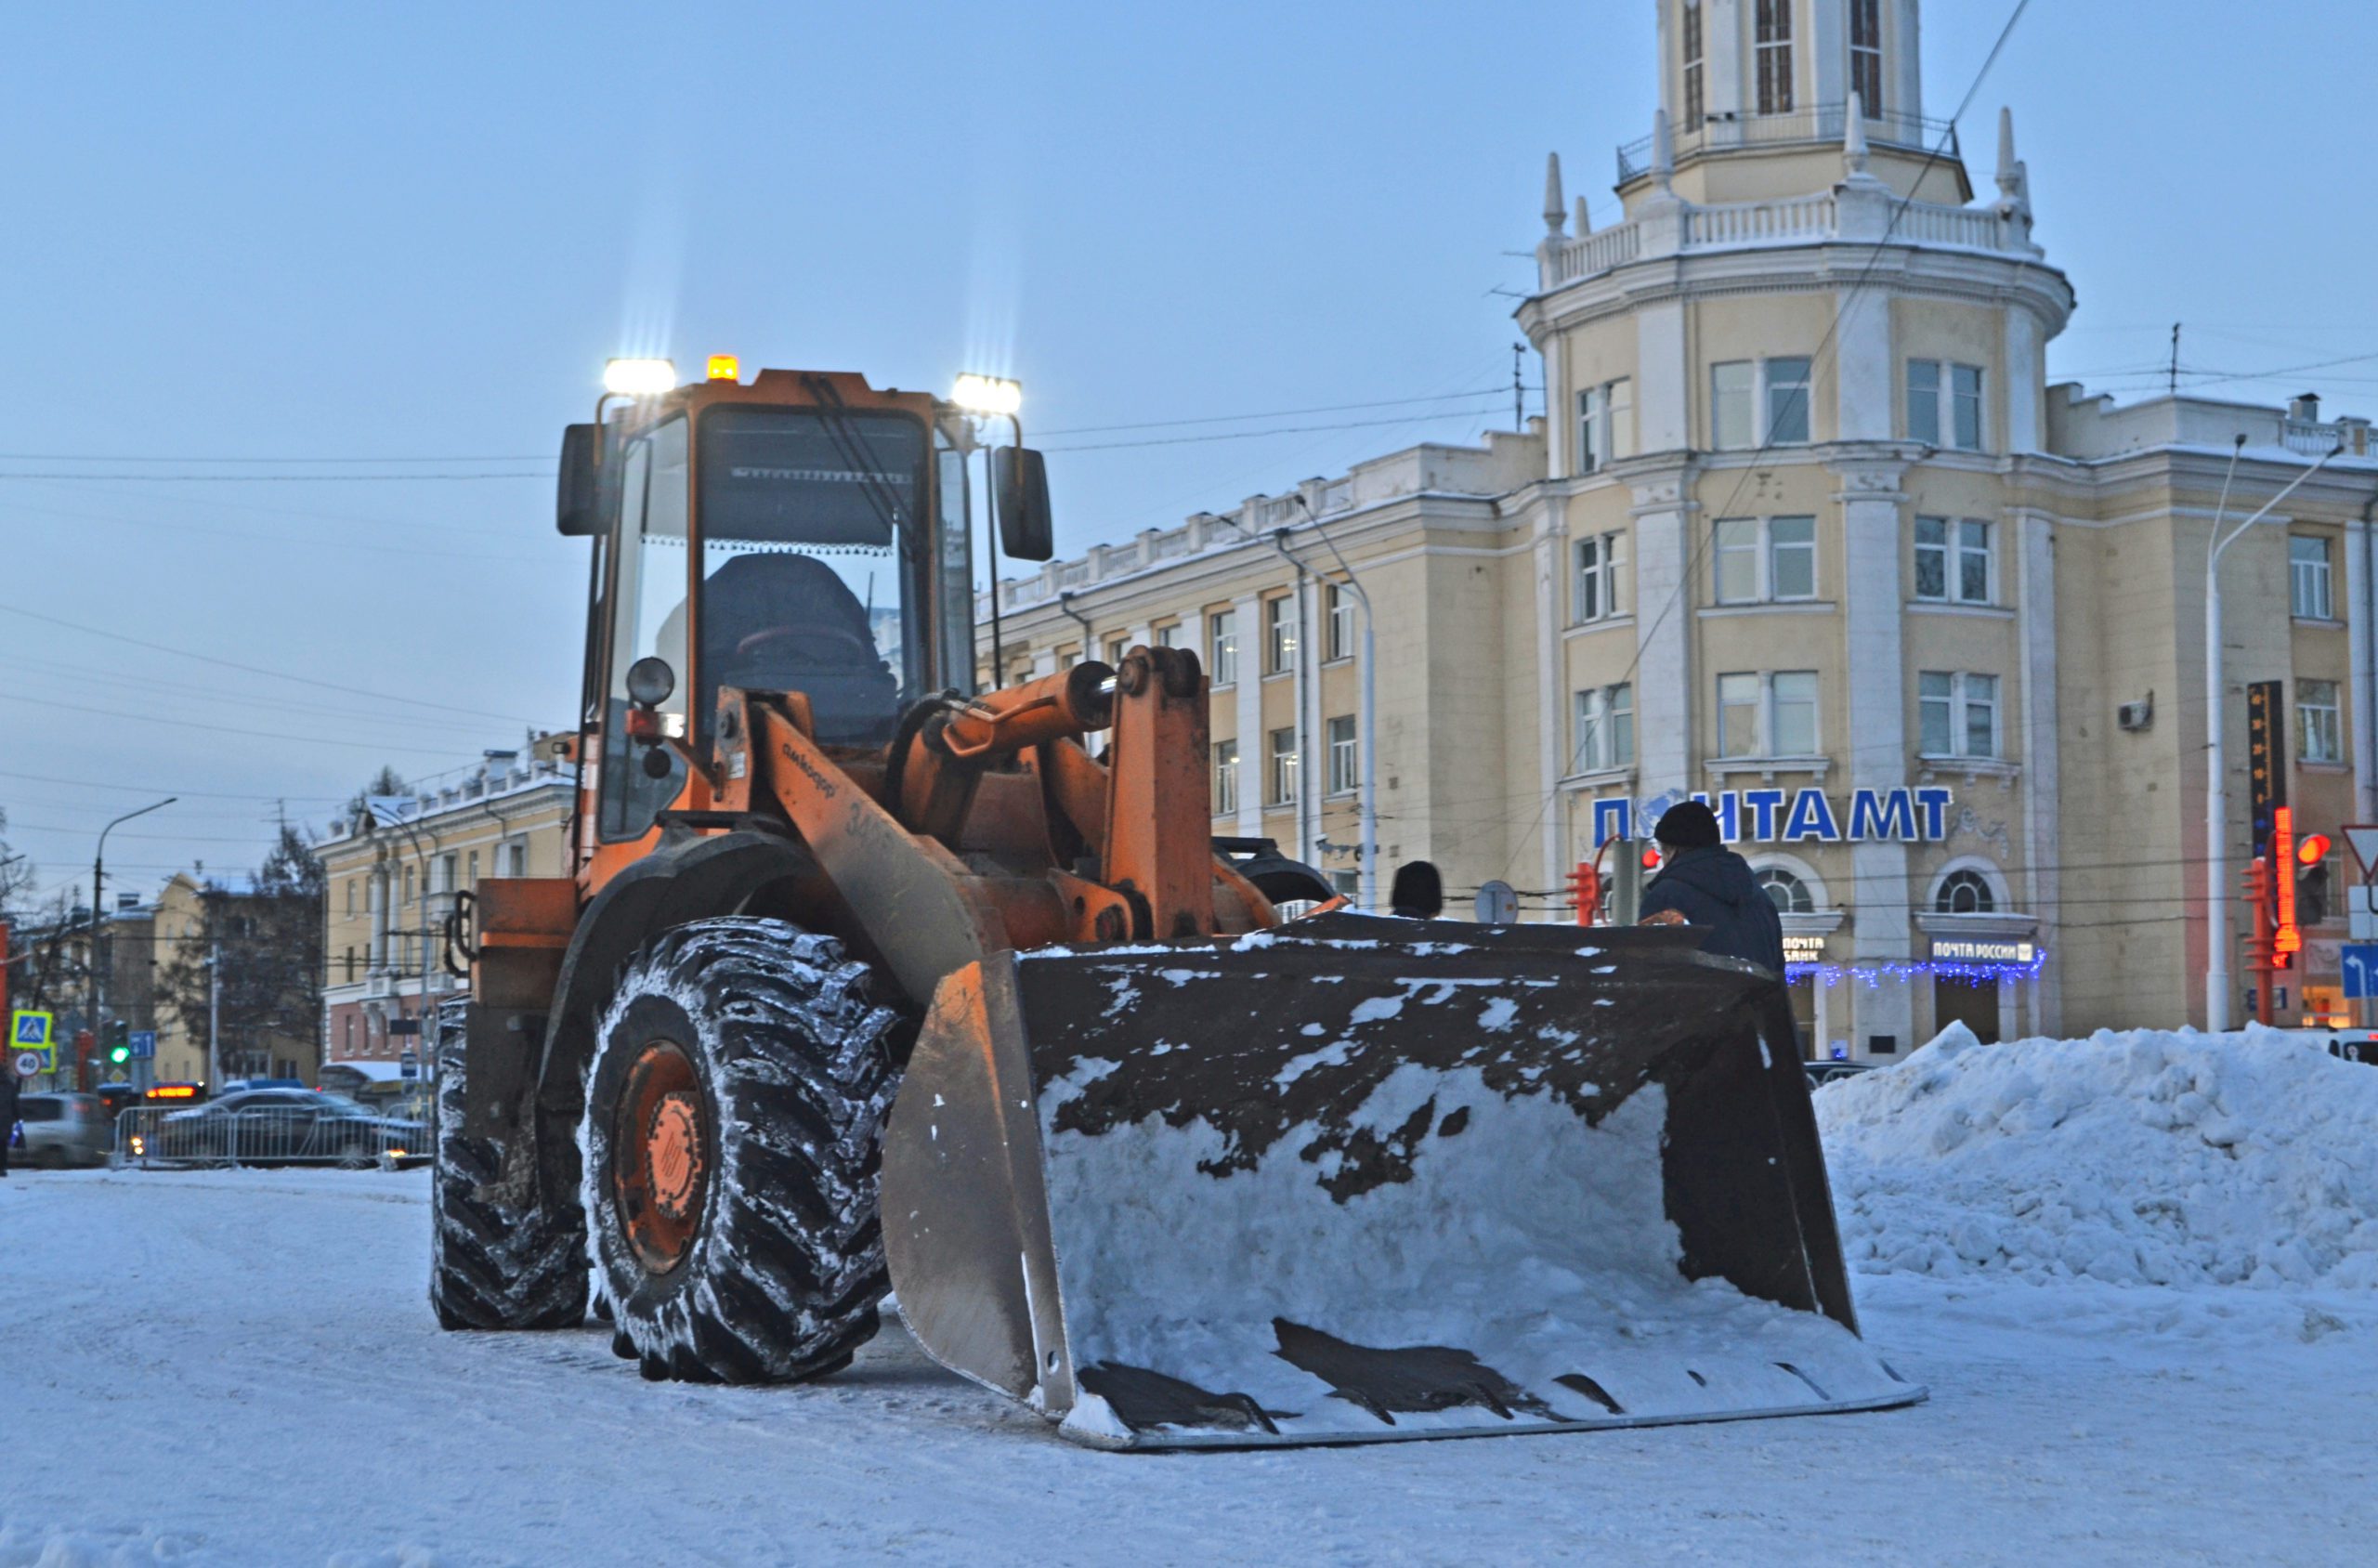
(1766, 560)
(1756, 403)
(1281, 623)
(1773, 715)
(1962, 892)
(1341, 756)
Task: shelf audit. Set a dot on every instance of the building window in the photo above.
(2319, 731)
(1225, 779)
(1284, 767)
(519, 852)
(1346, 884)
(2315, 896)
(1280, 635)
(350, 896)
(1788, 402)
(1696, 97)
(1774, 44)
(1866, 55)
(1791, 557)
(1738, 715)
(2307, 578)
(1956, 714)
(471, 869)
(1736, 406)
(1736, 556)
(407, 900)
(1787, 893)
(1605, 736)
(1168, 636)
(1965, 892)
(449, 867)
(1221, 646)
(1762, 559)
(1117, 648)
(1593, 596)
(1792, 713)
(1345, 769)
(1767, 714)
(347, 1031)
(1944, 404)
(1952, 560)
(1341, 621)
(1605, 424)
(351, 974)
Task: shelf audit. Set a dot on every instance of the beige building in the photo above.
(393, 874)
(1809, 535)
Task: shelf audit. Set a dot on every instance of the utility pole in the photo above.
(2174, 385)
(2217, 891)
(214, 1015)
(1518, 388)
(98, 874)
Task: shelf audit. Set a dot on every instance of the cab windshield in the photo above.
(815, 554)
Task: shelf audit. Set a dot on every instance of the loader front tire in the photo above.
(730, 1145)
(492, 1264)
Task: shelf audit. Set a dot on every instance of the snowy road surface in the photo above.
(239, 1368)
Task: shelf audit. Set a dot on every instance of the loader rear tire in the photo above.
(492, 1265)
(731, 1146)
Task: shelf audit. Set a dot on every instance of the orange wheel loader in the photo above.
(866, 981)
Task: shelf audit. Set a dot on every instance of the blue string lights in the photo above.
(1874, 975)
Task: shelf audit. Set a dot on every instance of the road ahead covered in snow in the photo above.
(239, 1368)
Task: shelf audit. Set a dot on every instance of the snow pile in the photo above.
(2146, 1158)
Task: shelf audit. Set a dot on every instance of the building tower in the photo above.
(1789, 386)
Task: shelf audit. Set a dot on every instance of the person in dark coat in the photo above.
(7, 1111)
(1705, 884)
(1419, 893)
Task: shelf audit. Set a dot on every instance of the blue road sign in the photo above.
(144, 1045)
(31, 1030)
(2360, 970)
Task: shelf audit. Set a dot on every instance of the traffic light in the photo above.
(120, 1044)
(1584, 891)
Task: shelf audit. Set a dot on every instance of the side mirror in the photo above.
(579, 505)
(1020, 481)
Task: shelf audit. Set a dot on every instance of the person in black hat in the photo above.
(1705, 884)
(1419, 893)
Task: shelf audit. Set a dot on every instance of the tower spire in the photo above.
(1556, 206)
(1853, 139)
(1663, 150)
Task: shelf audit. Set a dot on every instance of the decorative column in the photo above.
(1873, 599)
(2362, 718)
(1549, 550)
(1665, 601)
(1254, 760)
(2032, 545)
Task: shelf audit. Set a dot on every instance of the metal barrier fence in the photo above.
(154, 1136)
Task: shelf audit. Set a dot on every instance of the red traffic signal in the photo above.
(1584, 891)
(2311, 850)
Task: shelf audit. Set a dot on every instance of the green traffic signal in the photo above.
(120, 1055)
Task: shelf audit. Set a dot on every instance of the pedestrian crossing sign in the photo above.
(29, 1037)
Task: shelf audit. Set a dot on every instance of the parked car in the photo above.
(1826, 1072)
(284, 1126)
(63, 1130)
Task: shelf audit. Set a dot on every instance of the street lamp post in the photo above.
(991, 396)
(99, 875)
(385, 807)
(2216, 793)
(1367, 739)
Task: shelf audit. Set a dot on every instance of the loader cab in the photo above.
(800, 533)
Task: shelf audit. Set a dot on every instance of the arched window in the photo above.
(1965, 892)
(1786, 892)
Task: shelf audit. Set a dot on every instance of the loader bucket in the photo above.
(1354, 1180)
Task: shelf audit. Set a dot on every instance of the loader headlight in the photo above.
(639, 378)
(987, 394)
(650, 681)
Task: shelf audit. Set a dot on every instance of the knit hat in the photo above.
(1688, 825)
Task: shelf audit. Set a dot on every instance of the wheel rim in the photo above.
(660, 1157)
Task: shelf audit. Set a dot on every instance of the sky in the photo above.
(242, 240)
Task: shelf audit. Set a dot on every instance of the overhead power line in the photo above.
(269, 478)
(260, 670)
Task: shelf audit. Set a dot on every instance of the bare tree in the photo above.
(268, 937)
